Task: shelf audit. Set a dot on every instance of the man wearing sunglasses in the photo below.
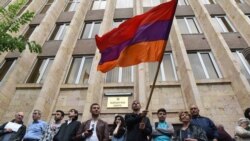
(13, 130)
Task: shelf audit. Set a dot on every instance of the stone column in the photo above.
(95, 88)
(21, 70)
(49, 93)
(239, 19)
(189, 88)
(222, 54)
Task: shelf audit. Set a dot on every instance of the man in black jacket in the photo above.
(68, 129)
(138, 125)
(10, 133)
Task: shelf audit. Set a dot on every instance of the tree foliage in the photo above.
(10, 23)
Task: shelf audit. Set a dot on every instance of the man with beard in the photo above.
(93, 129)
(54, 127)
(138, 125)
(68, 129)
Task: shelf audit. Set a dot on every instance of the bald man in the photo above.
(8, 133)
(204, 122)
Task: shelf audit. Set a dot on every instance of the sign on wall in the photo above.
(117, 102)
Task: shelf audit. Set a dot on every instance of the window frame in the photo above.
(11, 66)
(127, 6)
(151, 3)
(239, 1)
(188, 25)
(243, 61)
(58, 35)
(99, 6)
(162, 70)
(73, 5)
(47, 60)
(222, 25)
(208, 2)
(47, 4)
(24, 7)
(120, 69)
(79, 72)
(91, 28)
(185, 1)
(31, 29)
(204, 68)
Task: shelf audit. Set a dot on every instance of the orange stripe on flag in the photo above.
(142, 52)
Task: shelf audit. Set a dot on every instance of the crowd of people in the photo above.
(134, 126)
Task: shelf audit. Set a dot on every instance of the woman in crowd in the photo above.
(241, 132)
(119, 129)
(189, 132)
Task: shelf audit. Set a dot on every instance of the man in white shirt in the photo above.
(93, 129)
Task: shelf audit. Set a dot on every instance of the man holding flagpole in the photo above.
(138, 125)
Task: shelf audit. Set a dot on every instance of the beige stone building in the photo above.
(204, 62)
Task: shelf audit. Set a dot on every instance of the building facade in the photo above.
(205, 61)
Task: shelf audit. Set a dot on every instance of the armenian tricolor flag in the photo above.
(140, 39)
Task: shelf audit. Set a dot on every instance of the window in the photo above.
(24, 7)
(208, 1)
(183, 2)
(239, 1)
(222, 24)
(47, 6)
(244, 65)
(90, 29)
(124, 3)
(29, 31)
(72, 5)
(120, 75)
(188, 25)
(40, 70)
(151, 3)
(79, 70)
(99, 4)
(167, 70)
(5, 67)
(59, 31)
(204, 66)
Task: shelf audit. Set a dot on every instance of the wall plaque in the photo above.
(117, 102)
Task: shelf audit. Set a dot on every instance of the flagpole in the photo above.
(156, 75)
